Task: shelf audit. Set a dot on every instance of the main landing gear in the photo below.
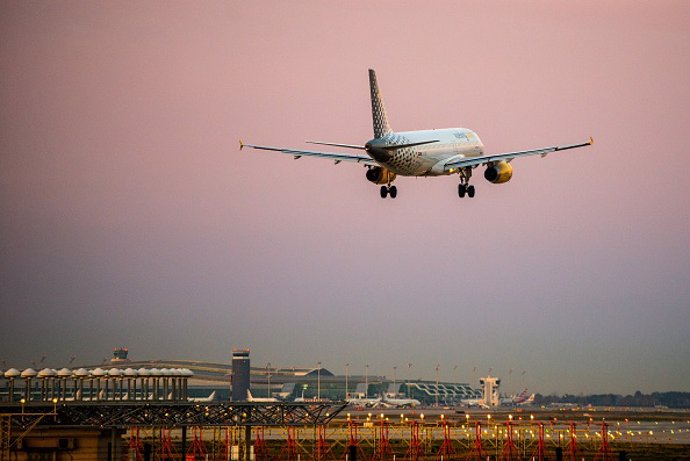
(389, 190)
(465, 189)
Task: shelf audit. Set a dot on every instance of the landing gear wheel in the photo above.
(462, 189)
(384, 191)
(470, 191)
(393, 191)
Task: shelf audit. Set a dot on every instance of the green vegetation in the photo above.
(666, 399)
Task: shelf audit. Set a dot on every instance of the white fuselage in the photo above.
(427, 159)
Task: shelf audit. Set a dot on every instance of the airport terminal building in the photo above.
(296, 382)
(293, 382)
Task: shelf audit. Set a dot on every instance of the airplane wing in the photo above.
(337, 158)
(456, 163)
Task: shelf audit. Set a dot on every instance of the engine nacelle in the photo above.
(380, 175)
(499, 172)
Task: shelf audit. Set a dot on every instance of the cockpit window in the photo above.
(462, 136)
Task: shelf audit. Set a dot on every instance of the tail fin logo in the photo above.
(378, 111)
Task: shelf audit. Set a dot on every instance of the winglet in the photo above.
(591, 140)
(241, 144)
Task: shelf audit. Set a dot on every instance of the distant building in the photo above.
(447, 393)
(120, 355)
(291, 382)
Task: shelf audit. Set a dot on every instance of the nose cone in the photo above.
(375, 150)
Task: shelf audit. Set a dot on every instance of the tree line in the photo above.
(638, 399)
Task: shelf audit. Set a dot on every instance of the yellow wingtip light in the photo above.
(242, 144)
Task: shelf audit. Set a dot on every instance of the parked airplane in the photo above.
(524, 400)
(251, 398)
(304, 399)
(420, 153)
(515, 400)
(285, 391)
(310, 400)
(211, 398)
(474, 403)
(400, 403)
(521, 399)
(364, 402)
(528, 401)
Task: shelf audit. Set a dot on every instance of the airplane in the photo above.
(390, 398)
(423, 153)
(400, 403)
(309, 400)
(364, 402)
(528, 401)
(520, 399)
(211, 398)
(285, 391)
(360, 399)
(251, 398)
(474, 403)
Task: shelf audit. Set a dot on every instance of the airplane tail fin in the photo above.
(378, 111)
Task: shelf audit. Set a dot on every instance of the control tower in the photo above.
(120, 355)
(490, 391)
(240, 374)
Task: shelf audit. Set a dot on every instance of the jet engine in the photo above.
(498, 172)
(379, 175)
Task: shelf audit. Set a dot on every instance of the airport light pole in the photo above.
(455, 378)
(318, 382)
(347, 377)
(437, 367)
(366, 381)
(395, 370)
(409, 370)
(268, 373)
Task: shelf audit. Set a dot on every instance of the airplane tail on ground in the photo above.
(378, 111)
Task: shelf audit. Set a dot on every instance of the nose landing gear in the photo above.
(464, 188)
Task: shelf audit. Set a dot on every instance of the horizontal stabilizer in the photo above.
(335, 144)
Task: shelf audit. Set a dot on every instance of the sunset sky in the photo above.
(130, 217)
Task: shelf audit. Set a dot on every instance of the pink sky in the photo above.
(130, 217)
